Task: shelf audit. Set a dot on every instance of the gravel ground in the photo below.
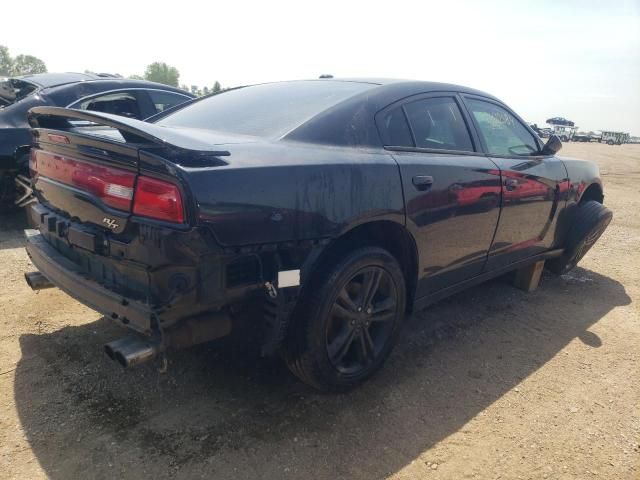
(491, 383)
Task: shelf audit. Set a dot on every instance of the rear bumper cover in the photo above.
(65, 275)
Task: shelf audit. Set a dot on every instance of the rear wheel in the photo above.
(590, 221)
(348, 323)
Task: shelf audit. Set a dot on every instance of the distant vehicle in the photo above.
(560, 121)
(563, 132)
(614, 138)
(105, 93)
(545, 132)
(586, 137)
(335, 206)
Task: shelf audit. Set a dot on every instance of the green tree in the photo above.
(28, 64)
(205, 90)
(6, 62)
(162, 73)
(136, 77)
(216, 87)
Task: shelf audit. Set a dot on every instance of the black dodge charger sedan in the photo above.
(337, 206)
(85, 91)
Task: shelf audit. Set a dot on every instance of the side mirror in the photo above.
(553, 145)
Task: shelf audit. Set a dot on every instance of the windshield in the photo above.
(268, 110)
(13, 90)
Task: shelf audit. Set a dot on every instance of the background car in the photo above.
(560, 121)
(105, 93)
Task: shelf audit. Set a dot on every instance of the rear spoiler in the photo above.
(135, 131)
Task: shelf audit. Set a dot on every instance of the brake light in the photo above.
(111, 185)
(115, 187)
(158, 199)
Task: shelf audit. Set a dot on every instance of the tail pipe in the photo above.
(132, 350)
(37, 281)
(135, 349)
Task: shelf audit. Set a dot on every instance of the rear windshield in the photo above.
(13, 90)
(268, 110)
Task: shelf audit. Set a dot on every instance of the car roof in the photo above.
(54, 79)
(62, 81)
(404, 87)
(51, 80)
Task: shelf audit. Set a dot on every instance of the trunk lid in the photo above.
(89, 166)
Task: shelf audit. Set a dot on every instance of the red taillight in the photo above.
(154, 198)
(158, 199)
(111, 185)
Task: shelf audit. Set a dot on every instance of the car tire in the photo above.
(342, 332)
(590, 221)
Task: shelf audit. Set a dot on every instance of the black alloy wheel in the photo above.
(361, 320)
(347, 320)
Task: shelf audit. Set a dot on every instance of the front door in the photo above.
(532, 185)
(452, 192)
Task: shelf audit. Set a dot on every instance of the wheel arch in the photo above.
(592, 192)
(392, 236)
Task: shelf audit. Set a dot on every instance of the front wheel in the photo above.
(348, 320)
(590, 221)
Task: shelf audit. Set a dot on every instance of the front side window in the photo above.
(503, 134)
(437, 123)
(124, 104)
(165, 100)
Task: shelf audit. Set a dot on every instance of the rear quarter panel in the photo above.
(287, 191)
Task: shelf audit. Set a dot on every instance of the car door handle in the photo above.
(510, 183)
(422, 182)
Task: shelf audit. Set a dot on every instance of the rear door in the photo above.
(532, 184)
(452, 191)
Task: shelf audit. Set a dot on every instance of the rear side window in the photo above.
(13, 90)
(503, 134)
(437, 123)
(395, 129)
(164, 100)
(123, 103)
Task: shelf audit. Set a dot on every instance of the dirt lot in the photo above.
(492, 383)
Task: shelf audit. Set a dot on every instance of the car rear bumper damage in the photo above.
(56, 270)
(66, 275)
(214, 286)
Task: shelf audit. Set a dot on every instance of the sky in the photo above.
(575, 59)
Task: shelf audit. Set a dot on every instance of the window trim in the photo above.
(485, 149)
(455, 96)
(394, 148)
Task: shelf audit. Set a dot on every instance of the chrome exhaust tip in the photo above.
(37, 281)
(130, 351)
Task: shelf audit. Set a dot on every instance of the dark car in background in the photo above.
(105, 93)
(336, 206)
(560, 121)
